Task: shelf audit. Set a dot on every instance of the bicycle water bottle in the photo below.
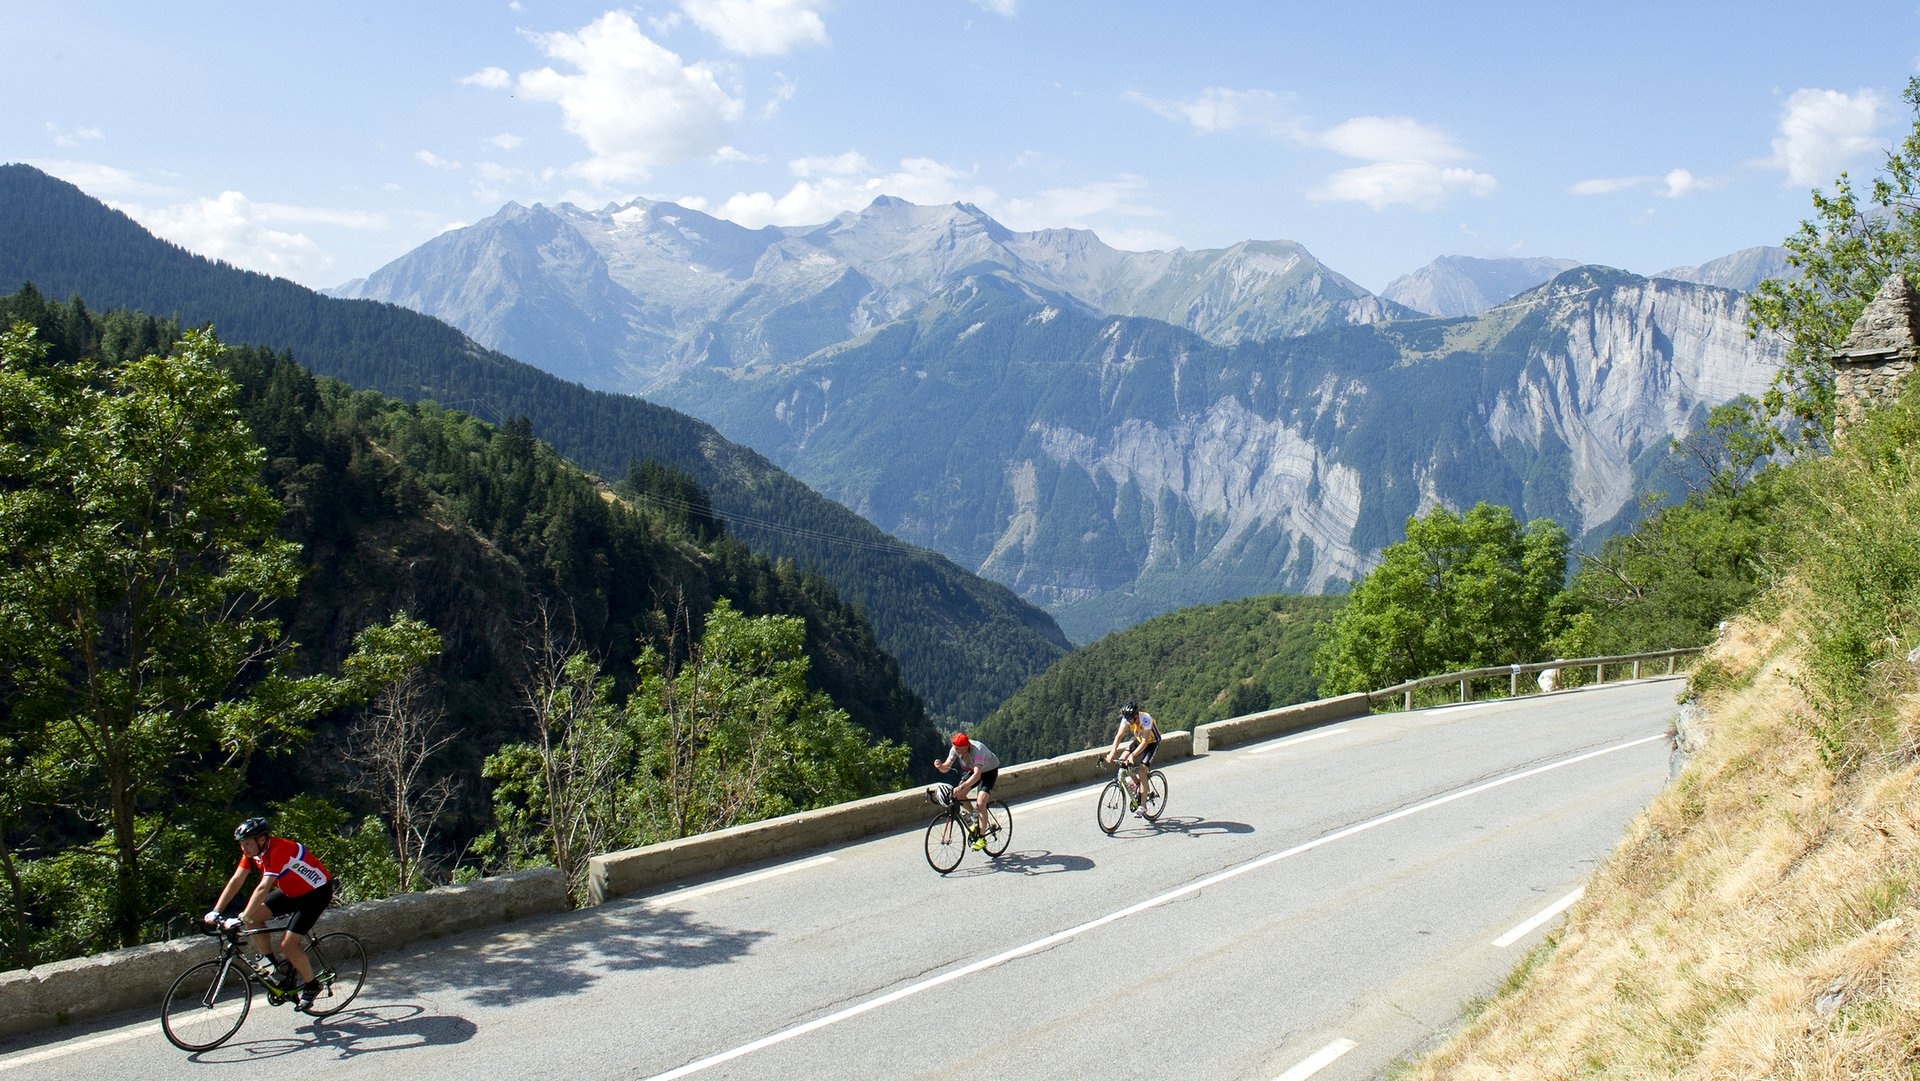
(263, 964)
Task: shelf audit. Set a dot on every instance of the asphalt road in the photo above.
(1320, 905)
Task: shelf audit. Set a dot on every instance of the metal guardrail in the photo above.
(1513, 672)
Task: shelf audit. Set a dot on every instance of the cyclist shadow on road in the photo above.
(1191, 825)
(567, 953)
(399, 1026)
(1039, 862)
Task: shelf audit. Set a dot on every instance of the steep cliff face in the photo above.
(1113, 433)
(1110, 468)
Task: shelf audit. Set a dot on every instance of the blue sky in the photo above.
(320, 141)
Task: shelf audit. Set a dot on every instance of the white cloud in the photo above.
(1219, 109)
(758, 27)
(1390, 138)
(1079, 207)
(635, 104)
(235, 229)
(1681, 182)
(489, 78)
(73, 137)
(1822, 131)
(1610, 185)
(1009, 8)
(434, 161)
(503, 141)
(783, 90)
(104, 182)
(1418, 184)
(828, 185)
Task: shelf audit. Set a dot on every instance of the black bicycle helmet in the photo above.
(252, 827)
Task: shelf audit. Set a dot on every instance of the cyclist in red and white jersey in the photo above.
(982, 768)
(292, 879)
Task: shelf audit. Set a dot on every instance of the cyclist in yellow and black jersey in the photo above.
(1136, 724)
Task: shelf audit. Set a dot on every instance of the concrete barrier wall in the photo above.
(1254, 727)
(632, 870)
(137, 978)
(87, 987)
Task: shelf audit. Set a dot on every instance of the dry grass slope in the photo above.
(1758, 921)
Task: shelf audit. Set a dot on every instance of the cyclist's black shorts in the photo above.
(306, 907)
(987, 777)
(1143, 755)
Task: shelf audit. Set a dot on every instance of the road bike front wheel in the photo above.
(1156, 802)
(999, 827)
(340, 964)
(946, 843)
(206, 1005)
(1112, 807)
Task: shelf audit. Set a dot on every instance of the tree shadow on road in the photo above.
(564, 954)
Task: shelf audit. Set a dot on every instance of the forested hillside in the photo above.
(962, 642)
(1187, 667)
(505, 551)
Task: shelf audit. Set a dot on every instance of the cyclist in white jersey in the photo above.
(983, 768)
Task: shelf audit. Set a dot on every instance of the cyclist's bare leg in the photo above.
(255, 917)
(295, 952)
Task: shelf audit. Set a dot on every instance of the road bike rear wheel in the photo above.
(946, 843)
(340, 964)
(999, 827)
(1112, 807)
(206, 1005)
(1156, 801)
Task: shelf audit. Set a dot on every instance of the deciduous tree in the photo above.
(1462, 591)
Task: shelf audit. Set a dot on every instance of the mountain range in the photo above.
(1115, 434)
(963, 643)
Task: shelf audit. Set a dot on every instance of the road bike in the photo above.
(1119, 796)
(952, 831)
(207, 1003)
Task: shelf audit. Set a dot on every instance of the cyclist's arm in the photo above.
(235, 882)
(1119, 734)
(967, 783)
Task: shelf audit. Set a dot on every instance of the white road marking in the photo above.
(1079, 793)
(690, 892)
(1548, 913)
(117, 1036)
(1282, 744)
(1058, 937)
(1318, 1061)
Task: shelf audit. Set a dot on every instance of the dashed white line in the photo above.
(1318, 1061)
(1548, 913)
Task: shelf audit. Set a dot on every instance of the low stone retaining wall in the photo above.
(1254, 727)
(137, 978)
(632, 870)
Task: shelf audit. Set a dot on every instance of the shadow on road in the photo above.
(567, 953)
(1026, 863)
(1192, 826)
(399, 1026)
